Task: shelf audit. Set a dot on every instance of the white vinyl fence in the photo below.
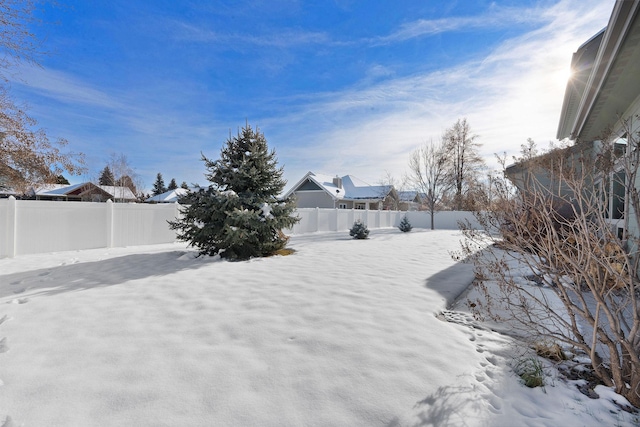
(35, 226)
(317, 219)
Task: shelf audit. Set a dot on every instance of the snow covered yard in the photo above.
(342, 333)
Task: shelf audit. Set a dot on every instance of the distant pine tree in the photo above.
(405, 226)
(184, 185)
(359, 230)
(106, 177)
(172, 184)
(238, 215)
(158, 186)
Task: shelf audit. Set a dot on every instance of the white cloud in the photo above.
(372, 127)
(494, 17)
(509, 96)
(282, 38)
(63, 87)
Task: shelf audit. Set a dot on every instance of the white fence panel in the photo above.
(314, 219)
(137, 224)
(32, 226)
(35, 226)
(44, 226)
(7, 222)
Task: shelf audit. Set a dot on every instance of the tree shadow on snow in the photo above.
(448, 406)
(86, 275)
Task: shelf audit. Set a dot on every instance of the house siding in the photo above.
(313, 199)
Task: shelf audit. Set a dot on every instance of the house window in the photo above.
(342, 206)
(612, 191)
(360, 206)
(617, 195)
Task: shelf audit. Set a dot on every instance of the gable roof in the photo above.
(79, 190)
(410, 196)
(119, 192)
(170, 196)
(351, 187)
(75, 191)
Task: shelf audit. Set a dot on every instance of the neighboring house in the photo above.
(347, 192)
(6, 191)
(410, 200)
(603, 92)
(170, 196)
(83, 192)
(119, 193)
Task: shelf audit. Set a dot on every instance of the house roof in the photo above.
(119, 192)
(410, 196)
(605, 79)
(52, 190)
(352, 188)
(170, 196)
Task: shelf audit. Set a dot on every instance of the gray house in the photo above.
(347, 192)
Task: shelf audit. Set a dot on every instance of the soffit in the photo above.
(621, 87)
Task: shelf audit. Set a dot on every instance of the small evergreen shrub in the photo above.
(359, 230)
(405, 226)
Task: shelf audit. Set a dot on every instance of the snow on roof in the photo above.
(54, 189)
(410, 196)
(63, 189)
(170, 196)
(119, 192)
(358, 189)
(326, 182)
(352, 187)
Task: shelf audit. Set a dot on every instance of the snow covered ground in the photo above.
(342, 333)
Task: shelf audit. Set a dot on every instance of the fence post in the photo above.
(12, 227)
(109, 207)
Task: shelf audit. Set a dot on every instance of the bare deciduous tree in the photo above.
(391, 197)
(124, 175)
(428, 173)
(27, 155)
(464, 161)
(564, 229)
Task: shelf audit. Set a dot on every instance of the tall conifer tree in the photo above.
(106, 177)
(172, 184)
(239, 215)
(158, 186)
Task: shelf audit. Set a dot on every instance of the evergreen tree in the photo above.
(359, 230)
(106, 177)
(238, 215)
(158, 186)
(172, 184)
(184, 185)
(405, 226)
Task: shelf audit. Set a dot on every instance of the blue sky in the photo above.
(337, 87)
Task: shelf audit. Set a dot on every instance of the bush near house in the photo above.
(584, 280)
